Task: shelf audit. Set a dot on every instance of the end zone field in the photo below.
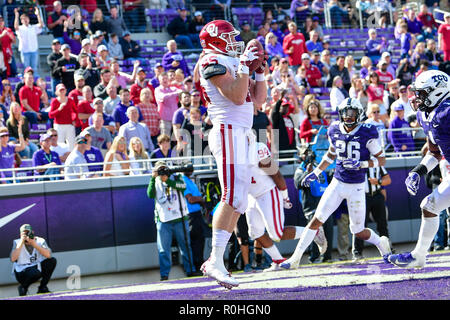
(372, 279)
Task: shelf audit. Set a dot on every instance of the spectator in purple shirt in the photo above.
(75, 41)
(8, 150)
(414, 25)
(92, 155)
(374, 46)
(401, 140)
(274, 28)
(273, 46)
(120, 112)
(174, 59)
(158, 69)
(46, 159)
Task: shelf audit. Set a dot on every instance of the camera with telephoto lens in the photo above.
(30, 234)
(168, 171)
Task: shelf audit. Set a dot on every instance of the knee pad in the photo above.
(429, 204)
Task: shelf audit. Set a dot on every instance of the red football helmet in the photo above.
(219, 36)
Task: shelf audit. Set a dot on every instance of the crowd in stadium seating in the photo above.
(90, 95)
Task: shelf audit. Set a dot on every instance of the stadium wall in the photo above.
(107, 225)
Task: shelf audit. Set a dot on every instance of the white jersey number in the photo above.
(348, 150)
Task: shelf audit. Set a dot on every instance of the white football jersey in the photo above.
(221, 109)
(261, 182)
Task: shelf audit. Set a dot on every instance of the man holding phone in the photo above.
(32, 260)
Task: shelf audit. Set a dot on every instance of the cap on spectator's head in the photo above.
(326, 40)
(25, 227)
(44, 137)
(98, 34)
(65, 46)
(182, 9)
(102, 48)
(28, 69)
(315, 53)
(85, 133)
(85, 42)
(96, 100)
(1, 17)
(446, 15)
(81, 140)
(141, 69)
(55, 41)
(245, 23)
(403, 88)
(315, 18)
(59, 87)
(305, 56)
(4, 133)
(385, 54)
(273, 21)
(126, 33)
(159, 164)
(398, 107)
(282, 60)
(197, 13)
(78, 76)
(158, 65)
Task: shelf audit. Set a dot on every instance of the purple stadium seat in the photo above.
(157, 19)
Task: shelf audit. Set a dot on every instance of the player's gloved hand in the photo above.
(287, 204)
(309, 178)
(250, 54)
(351, 164)
(412, 183)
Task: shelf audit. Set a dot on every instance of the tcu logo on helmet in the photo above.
(212, 30)
(439, 80)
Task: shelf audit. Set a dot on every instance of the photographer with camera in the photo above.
(310, 198)
(167, 188)
(32, 260)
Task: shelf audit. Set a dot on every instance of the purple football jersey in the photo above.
(351, 145)
(437, 126)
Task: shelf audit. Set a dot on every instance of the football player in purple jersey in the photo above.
(432, 103)
(355, 146)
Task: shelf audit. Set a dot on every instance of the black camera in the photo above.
(166, 171)
(30, 234)
(307, 155)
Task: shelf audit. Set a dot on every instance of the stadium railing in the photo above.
(202, 164)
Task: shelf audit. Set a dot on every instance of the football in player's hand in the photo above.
(255, 64)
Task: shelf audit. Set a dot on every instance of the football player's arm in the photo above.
(430, 160)
(235, 90)
(378, 159)
(258, 91)
(327, 159)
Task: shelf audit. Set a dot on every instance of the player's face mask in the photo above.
(349, 117)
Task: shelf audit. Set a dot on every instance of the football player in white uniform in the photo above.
(230, 93)
(268, 197)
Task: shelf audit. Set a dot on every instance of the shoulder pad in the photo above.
(212, 70)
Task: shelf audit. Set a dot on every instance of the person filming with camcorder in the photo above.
(32, 260)
(171, 216)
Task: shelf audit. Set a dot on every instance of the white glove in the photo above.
(250, 54)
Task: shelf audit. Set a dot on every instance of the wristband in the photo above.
(242, 68)
(327, 159)
(317, 171)
(429, 162)
(260, 77)
(364, 164)
(284, 193)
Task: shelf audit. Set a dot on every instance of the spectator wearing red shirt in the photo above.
(311, 124)
(313, 74)
(63, 111)
(384, 75)
(30, 100)
(444, 37)
(141, 83)
(294, 45)
(150, 113)
(89, 5)
(84, 109)
(7, 38)
(427, 18)
(76, 94)
(375, 92)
